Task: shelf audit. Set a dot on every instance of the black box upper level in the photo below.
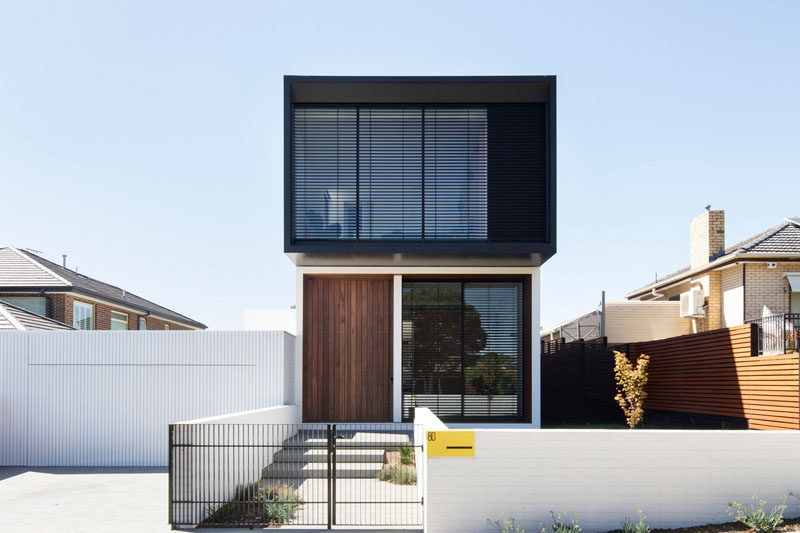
(420, 170)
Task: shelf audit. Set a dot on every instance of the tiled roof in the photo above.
(17, 318)
(81, 283)
(18, 270)
(783, 238)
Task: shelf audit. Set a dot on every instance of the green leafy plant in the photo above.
(505, 525)
(631, 381)
(560, 524)
(269, 504)
(755, 517)
(406, 454)
(629, 526)
(398, 474)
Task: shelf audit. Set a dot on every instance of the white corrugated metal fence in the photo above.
(105, 398)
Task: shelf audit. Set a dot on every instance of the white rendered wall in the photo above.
(676, 478)
(105, 398)
(398, 273)
(215, 472)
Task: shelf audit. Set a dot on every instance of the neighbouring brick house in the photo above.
(39, 286)
(756, 279)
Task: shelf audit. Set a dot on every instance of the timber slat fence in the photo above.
(717, 373)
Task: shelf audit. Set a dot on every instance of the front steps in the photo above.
(359, 455)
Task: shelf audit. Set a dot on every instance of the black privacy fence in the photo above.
(250, 475)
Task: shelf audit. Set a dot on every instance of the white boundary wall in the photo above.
(676, 478)
(105, 398)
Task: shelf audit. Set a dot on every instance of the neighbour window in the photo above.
(463, 349)
(82, 316)
(34, 304)
(142, 323)
(166, 326)
(119, 321)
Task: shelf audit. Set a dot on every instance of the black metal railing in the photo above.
(778, 334)
(270, 475)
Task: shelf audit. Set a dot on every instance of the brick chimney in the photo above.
(706, 237)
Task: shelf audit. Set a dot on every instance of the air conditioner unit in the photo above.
(692, 303)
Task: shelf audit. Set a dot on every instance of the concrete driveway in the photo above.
(83, 499)
(93, 499)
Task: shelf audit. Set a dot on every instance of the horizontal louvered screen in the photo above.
(463, 349)
(455, 174)
(420, 173)
(325, 178)
(390, 174)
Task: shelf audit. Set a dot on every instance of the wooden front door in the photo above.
(347, 349)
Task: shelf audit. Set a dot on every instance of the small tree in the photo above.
(630, 386)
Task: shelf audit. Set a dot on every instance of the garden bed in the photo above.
(789, 524)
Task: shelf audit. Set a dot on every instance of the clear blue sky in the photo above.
(144, 139)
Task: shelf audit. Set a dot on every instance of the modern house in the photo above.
(756, 280)
(32, 283)
(418, 212)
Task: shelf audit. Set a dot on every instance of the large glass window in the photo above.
(34, 304)
(369, 173)
(463, 349)
(82, 316)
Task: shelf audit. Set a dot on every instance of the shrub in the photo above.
(560, 524)
(398, 474)
(270, 504)
(406, 454)
(629, 526)
(505, 525)
(630, 386)
(755, 517)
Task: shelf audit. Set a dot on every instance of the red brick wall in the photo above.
(61, 310)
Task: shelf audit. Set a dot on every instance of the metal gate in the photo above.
(324, 475)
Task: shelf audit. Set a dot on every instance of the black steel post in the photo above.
(330, 465)
(169, 481)
(333, 484)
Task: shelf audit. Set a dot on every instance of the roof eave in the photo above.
(732, 257)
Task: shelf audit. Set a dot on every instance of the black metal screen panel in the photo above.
(517, 168)
(463, 349)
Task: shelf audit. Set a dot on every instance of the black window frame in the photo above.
(523, 378)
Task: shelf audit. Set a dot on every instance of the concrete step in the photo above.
(350, 439)
(278, 471)
(320, 455)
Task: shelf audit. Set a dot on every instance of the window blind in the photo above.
(324, 160)
(390, 173)
(455, 174)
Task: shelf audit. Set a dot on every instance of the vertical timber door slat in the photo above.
(347, 349)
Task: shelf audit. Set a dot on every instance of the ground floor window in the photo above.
(463, 349)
